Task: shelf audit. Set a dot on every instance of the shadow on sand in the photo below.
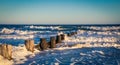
(79, 56)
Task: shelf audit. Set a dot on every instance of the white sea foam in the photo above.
(7, 31)
(17, 36)
(102, 28)
(19, 32)
(45, 27)
(47, 36)
(20, 52)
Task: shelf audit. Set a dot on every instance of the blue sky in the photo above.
(59, 11)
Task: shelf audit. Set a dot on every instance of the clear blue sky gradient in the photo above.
(59, 11)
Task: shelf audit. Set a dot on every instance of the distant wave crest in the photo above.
(45, 27)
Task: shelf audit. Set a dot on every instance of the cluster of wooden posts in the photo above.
(6, 49)
(43, 45)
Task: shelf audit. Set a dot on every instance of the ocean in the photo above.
(103, 40)
(16, 34)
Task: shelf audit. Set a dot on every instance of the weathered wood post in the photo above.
(9, 52)
(68, 34)
(58, 39)
(72, 33)
(62, 36)
(43, 44)
(3, 50)
(6, 51)
(52, 42)
(75, 32)
(29, 44)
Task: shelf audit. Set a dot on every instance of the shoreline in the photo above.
(20, 53)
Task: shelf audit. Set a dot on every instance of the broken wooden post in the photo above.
(75, 32)
(43, 44)
(58, 39)
(69, 34)
(9, 52)
(62, 36)
(52, 42)
(72, 33)
(29, 44)
(6, 51)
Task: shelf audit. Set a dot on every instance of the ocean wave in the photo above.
(98, 32)
(16, 36)
(106, 28)
(7, 31)
(80, 38)
(45, 27)
(19, 32)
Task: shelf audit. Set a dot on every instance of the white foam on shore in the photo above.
(20, 52)
(4, 61)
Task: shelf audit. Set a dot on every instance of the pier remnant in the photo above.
(29, 44)
(72, 33)
(68, 34)
(43, 44)
(52, 42)
(62, 36)
(76, 32)
(58, 39)
(6, 51)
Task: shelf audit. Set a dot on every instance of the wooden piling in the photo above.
(62, 37)
(29, 44)
(75, 32)
(6, 51)
(52, 42)
(43, 44)
(68, 34)
(72, 33)
(58, 39)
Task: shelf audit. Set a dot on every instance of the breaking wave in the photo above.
(106, 28)
(45, 27)
(13, 31)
